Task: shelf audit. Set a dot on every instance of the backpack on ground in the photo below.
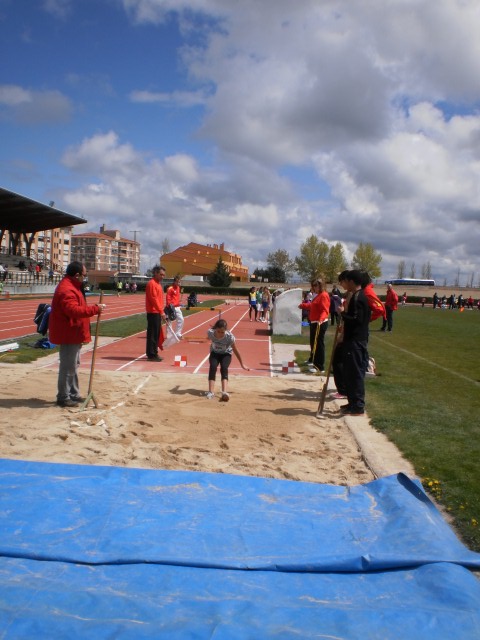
(41, 318)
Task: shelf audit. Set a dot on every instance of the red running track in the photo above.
(128, 354)
(16, 316)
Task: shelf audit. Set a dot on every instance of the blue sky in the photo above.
(253, 123)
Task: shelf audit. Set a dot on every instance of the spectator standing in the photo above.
(318, 313)
(377, 308)
(252, 303)
(391, 305)
(173, 297)
(266, 297)
(335, 303)
(155, 308)
(69, 326)
(258, 296)
(337, 361)
(356, 318)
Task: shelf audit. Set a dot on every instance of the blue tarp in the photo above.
(104, 552)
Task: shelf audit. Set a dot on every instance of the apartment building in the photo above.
(106, 251)
(50, 248)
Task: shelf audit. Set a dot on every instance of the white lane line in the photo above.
(433, 364)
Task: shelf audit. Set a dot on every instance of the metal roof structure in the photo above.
(19, 214)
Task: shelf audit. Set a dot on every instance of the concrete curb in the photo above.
(381, 456)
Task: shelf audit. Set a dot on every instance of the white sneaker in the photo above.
(210, 395)
(225, 397)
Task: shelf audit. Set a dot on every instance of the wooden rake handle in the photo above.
(323, 395)
(94, 354)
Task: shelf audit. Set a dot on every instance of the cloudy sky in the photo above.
(255, 123)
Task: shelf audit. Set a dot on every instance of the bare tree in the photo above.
(427, 270)
(165, 246)
(412, 270)
(401, 269)
(457, 278)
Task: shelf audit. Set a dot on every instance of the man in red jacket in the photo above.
(155, 308)
(69, 326)
(391, 305)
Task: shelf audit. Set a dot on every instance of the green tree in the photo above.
(366, 258)
(313, 259)
(280, 262)
(220, 276)
(271, 274)
(336, 262)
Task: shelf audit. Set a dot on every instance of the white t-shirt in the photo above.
(221, 345)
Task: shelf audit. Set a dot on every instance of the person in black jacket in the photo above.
(356, 318)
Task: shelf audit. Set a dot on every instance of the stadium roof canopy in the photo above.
(22, 215)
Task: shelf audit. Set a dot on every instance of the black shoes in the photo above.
(78, 399)
(67, 403)
(155, 358)
(347, 410)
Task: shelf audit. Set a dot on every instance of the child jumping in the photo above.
(223, 343)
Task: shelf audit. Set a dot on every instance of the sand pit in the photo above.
(164, 421)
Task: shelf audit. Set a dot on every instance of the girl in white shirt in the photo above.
(221, 348)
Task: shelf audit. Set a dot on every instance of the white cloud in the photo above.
(103, 154)
(12, 95)
(58, 8)
(34, 107)
(175, 98)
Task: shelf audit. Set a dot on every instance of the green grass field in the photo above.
(426, 399)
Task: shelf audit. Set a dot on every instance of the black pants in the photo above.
(354, 357)
(154, 324)
(318, 350)
(337, 367)
(389, 319)
(222, 359)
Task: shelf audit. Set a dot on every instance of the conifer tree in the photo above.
(220, 276)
